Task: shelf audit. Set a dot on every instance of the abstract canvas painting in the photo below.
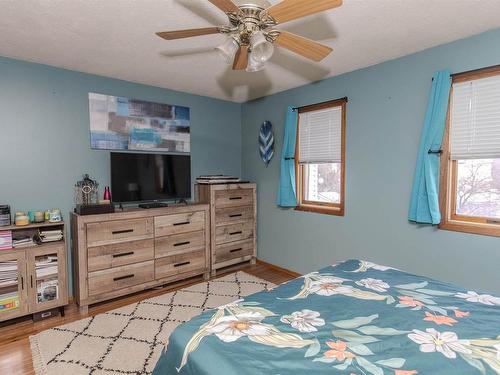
(118, 123)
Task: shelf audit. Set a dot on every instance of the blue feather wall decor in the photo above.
(266, 142)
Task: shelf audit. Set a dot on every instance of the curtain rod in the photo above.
(333, 100)
(472, 71)
(493, 67)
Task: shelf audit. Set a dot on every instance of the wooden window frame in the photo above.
(337, 209)
(448, 174)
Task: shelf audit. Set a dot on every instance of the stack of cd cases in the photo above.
(4, 215)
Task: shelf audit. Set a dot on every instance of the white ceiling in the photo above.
(116, 38)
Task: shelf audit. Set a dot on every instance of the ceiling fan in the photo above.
(252, 36)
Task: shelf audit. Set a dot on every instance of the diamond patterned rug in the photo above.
(129, 340)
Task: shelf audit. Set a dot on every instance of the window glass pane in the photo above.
(322, 182)
(478, 188)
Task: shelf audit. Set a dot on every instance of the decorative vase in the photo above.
(107, 194)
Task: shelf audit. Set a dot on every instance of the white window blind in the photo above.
(475, 119)
(320, 136)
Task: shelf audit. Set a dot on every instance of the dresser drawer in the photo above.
(233, 198)
(179, 243)
(120, 277)
(234, 232)
(233, 250)
(119, 254)
(233, 215)
(118, 231)
(179, 223)
(177, 264)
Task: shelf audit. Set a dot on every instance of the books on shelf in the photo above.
(47, 290)
(46, 267)
(8, 273)
(43, 236)
(217, 179)
(5, 240)
(51, 235)
(9, 301)
(19, 240)
(9, 279)
(9, 295)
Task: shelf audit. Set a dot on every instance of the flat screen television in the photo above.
(149, 177)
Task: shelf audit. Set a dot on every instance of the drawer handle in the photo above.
(123, 254)
(183, 223)
(236, 215)
(182, 243)
(123, 277)
(122, 231)
(234, 233)
(236, 250)
(235, 198)
(181, 264)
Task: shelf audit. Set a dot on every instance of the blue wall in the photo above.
(44, 132)
(385, 114)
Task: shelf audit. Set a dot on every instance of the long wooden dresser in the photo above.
(132, 250)
(233, 212)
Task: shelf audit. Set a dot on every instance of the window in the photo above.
(320, 157)
(470, 199)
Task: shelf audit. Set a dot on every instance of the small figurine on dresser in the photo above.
(86, 191)
(107, 196)
(87, 198)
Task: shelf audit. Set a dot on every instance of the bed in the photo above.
(355, 317)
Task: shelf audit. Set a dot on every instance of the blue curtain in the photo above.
(424, 205)
(287, 190)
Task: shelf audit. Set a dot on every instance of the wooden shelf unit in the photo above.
(27, 261)
(43, 224)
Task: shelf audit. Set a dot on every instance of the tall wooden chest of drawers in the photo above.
(125, 252)
(233, 213)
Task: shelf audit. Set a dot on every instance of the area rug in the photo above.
(129, 340)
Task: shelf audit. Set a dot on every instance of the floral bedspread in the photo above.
(355, 317)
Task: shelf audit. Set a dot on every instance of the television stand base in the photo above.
(153, 205)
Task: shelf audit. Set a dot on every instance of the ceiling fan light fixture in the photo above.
(228, 49)
(262, 49)
(254, 65)
(251, 31)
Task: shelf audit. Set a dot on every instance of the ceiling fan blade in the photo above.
(241, 58)
(289, 10)
(303, 46)
(179, 34)
(225, 5)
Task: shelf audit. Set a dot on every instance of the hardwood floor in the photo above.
(15, 352)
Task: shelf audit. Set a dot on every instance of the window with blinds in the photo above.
(475, 116)
(471, 176)
(320, 136)
(320, 166)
